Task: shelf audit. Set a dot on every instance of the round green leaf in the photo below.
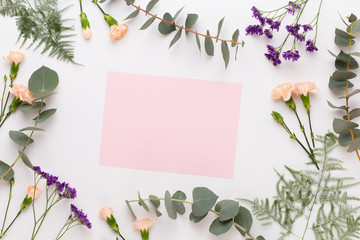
(191, 20)
(154, 201)
(179, 206)
(196, 219)
(43, 80)
(260, 238)
(3, 168)
(203, 200)
(45, 115)
(345, 137)
(20, 138)
(244, 219)
(169, 206)
(164, 27)
(218, 227)
(35, 107)
(228, 209)
(340, 75)
(26, 160)
(354, 145)
(341, 125)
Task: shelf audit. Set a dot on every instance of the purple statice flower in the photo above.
(307, 28)
(273, 55)
(68, 192)
(290, 55)
(50, 179)
(292, 8)
(79, 215)
(310, 47)
(254, 30)
(257, 15)
(268, 34)
(275, 25)
(294, 31)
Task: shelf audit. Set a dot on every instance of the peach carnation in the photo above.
(283, 91)
(143, 224)
(106, 212)
(31, 190)
(87, 33)
(118, 31)
(15, 57)
(22, 92)
(303, 88)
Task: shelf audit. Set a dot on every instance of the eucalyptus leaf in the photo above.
(343, 34)
(352, 18)
(177, 13)
(31, 129)
(130, 209)
(164, 27)
(35, 107)
(338, 86)
(151, 4)
(357, 54)
(342, 62)
(43, 80)
(332, 54)
(244, 219)
(356, 91)
(236, 51)
(260, 238)
(133, 14)
(26, 160)
(129, 2)
(148, 23)
(354, 145)
(196, 219)
(3, 169)
(45, 115)
(142, 203)
(203, 200)
(176, 37)
(345, 138)
(198, 41)
(225, 53)
(179, 206)
(190, 21)
(340, 75)
(43, 96)
(209, 45)
(154, 201)
(356, 26)
(354, 113)
(235, 37)
(218, 227)
(20, 138)
(343, 42)
(341, 125)
(220, 24)
(335, 107)
(228, 209)
(169, 206)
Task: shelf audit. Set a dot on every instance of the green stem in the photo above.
(187, 202)
(303, 131)
(6, 117)
(2, 98)
(61, 233)
(17, 215)
(97, 4)
(7, 207)
(81, 9)
(311, 131)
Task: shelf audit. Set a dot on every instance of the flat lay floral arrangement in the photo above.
(318, 197)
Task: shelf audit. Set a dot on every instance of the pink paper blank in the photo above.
(170, 124)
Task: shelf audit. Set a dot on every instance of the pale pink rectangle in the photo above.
(170, 124)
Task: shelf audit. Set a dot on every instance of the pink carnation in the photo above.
(283, 91)
(303, 88)
(118, 31)
(22, 92)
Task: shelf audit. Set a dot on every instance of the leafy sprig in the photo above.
(345, 63)
(228, 212)
(315, 199)
(42, 25)
(168, 25)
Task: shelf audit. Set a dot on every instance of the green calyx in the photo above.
(14, 70)
(144, 234)
(291, 104)
(277, 116)
(26, 203)
(14, 104)
(112, 223)
(110, 20)
(84, 21)
(306, 101)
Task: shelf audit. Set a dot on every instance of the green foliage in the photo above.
(305, 194)
(340, 82)
(42, 25)
(3, 169)
(228, 212)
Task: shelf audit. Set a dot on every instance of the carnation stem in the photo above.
(81, 9)
(187, 202)
(2, 98)
(303, 131)
(17, 215)
(7, 206)
(311, 131)
(186, 29)
(97, 4)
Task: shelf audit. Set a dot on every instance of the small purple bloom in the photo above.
(273, 55)
(257, 15)
(310, 47)
(254, 30)
(307, 28)
(79, 215)
(68, 192)
(292, 7)
(275, 25)
(290, 55)
(268, 34)
(294, 31)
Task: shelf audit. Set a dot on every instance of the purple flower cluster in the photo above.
(64, 190)
(273, 55)
(294, 31)
(307, 28)
(292, 8)
(290, 55)
(77, 214)
(310, 47)
(258, 29)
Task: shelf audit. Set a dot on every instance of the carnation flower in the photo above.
(118, 31)
(283, 91)
(33, 192)
(15, 57)
(304, 88)
(106, 212)
(22, 92)
(143, 226)
(87, 33)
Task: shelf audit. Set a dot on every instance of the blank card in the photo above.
(168, 124)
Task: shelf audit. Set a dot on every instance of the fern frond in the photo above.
(40, 23)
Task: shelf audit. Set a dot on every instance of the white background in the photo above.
(70, 146)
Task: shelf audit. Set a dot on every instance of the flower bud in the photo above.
(15, 58)
(87, 33)
(277, 116)
(107, 214)
(32, 193)
(143, 226)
